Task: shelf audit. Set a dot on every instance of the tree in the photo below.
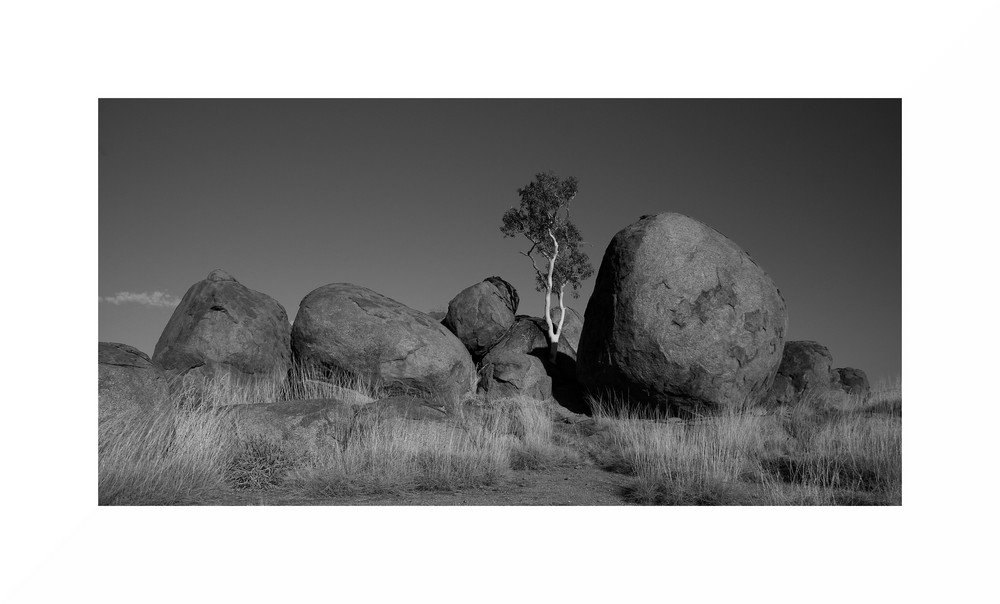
(544, 219)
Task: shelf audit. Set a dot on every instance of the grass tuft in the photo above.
(809, 454)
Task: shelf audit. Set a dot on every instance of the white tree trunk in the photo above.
(553, 332)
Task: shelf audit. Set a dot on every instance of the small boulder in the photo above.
(348, 329)
(519, 364)
(806, 369)
(853, 381)
(481, 314)
(223, 326)
(127, 380)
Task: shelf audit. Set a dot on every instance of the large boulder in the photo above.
(852, 381)
(806, 369)
(223, 326)
(572, 326)
(127, 380)
(347, 329)
(680, 316)
(519, 364)
(481, 314)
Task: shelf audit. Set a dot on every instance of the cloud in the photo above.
(156, 298)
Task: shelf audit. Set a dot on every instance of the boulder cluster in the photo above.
(806, 373)
(680, 319)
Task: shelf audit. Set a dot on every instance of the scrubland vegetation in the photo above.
(187, 453)
(183, 453)
(808, 454)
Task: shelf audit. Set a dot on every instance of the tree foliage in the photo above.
(544, 219)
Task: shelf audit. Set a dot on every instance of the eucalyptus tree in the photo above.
(543, 217)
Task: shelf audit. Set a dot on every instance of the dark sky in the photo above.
(405, 197)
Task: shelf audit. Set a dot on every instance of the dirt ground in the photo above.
(576, 485)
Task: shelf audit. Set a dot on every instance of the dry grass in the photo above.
(162, 457)
(808, 454)
(187, 452)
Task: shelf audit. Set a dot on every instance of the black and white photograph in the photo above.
(500, 302)
(541, 301)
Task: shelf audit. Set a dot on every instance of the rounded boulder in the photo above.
(519, 364)
(127, 380)
(481, 314)
(853, 381)
(680, 316)
(806, 367)
(222, 325)
(345, 328)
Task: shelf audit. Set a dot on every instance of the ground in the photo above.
(577, 485)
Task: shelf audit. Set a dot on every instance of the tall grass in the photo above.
(301, 382)
(188, 452)
(162, 456)
(805, 454)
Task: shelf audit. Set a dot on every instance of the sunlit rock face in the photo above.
(481, 314)
(345, 328)
(680, 317)
(223, 326)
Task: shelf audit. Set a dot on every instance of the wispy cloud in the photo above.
(156, 298)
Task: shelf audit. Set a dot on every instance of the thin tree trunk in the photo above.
(553, 334)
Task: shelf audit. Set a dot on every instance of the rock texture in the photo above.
(221, 325)
(127, 380)
(301, 426)
(345, 328)
(853, 381)
(405, 407)
(572, 326)
(518, 365)
(681, 316)
(805, 367)
(481, 314)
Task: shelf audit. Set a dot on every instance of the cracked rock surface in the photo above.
(680, 316)
(481, 314)
(346, 328)
(222, 325)
(518, 365)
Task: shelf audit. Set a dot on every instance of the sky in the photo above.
(405, 196)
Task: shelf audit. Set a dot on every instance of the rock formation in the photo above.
(127, 380)
(805, 367)
(221, 325)
(852, 381)
(481, 314)
(518, 365)
(345, 328)
(301, 426)
(680, 315)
